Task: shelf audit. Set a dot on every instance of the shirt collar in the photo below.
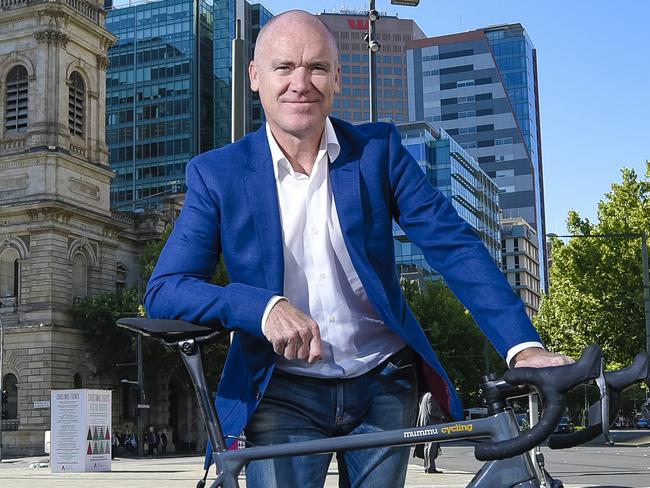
(328, 142)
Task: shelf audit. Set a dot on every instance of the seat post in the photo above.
(191, 354)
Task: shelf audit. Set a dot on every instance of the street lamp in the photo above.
(374, 47)
(646, 276)
(141, 395)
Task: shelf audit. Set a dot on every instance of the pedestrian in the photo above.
(302, 211)
(115, 442)
(429, 413)
(151, 441)
(163, 442)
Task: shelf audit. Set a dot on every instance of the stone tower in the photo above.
(59, 240)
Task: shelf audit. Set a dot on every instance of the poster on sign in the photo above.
(81, 431)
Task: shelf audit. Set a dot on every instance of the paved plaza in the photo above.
(626, 465)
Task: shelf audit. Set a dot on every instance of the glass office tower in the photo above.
(455, 173)
(159, 105)
(481, 87)
(255, 16)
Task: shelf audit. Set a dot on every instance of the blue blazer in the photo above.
(231, 209)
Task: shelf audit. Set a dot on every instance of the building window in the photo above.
(10, 385)
(120, 278)
(9, 273)
(17, 99)
(76, 104)
(79, 277)
(515, 244)
(78, 384)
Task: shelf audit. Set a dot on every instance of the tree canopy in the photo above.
(454, 336)
(596, 283)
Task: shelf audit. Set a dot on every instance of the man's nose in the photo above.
(301, 80)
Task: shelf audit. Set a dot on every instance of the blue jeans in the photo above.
(298, 408)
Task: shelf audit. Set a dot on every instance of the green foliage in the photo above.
(96, 317)
(596, 284)
(452, 332)
(151, 253)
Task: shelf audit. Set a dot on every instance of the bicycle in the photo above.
(508, 459)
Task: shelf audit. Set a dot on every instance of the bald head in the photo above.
(287, 21)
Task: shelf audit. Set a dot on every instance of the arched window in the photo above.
(79, 276)
(78, 384)
(76, 104)
(10, 385)
(17, 99)
(9, 273)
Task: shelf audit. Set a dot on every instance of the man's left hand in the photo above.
(536, 357)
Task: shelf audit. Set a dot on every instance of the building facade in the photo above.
(255, 16)
(455, 173)
(520, 261)
(353, 103)
(481, 87)
(159, 89)
(59, 239)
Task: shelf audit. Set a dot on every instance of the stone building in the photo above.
(59, 239)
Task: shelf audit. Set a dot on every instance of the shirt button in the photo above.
(331, 318)
(323, 276)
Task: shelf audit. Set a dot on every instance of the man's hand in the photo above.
(536, 357)
(293, 334)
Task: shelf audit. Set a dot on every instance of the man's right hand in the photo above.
(293, 334)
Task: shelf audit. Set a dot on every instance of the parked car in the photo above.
(642, 423)
(564, 426)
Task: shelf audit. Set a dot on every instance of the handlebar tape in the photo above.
(553, 383)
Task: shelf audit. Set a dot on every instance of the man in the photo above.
(302, 212)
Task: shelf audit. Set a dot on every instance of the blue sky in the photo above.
(594, 81)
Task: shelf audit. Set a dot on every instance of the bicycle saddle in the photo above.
(169, 331)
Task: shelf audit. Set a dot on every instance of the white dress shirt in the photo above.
(319, 277)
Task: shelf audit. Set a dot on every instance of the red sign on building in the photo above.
(358, 24)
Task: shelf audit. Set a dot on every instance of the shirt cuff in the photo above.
(513, 351)
(274, 299)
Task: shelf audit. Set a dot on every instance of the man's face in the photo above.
(296, 73)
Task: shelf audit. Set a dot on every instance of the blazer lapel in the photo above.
(345, 181)
(263, 202)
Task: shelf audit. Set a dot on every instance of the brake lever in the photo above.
(601, 383)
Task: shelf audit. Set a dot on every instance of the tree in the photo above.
(596, 284)
(452, 332)
(96, 317)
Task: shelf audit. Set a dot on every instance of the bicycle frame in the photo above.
(518, 471)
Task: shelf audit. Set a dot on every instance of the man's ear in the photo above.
(252, 75)
(337, 79)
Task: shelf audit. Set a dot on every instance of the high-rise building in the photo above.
(159, 97)
(481, 87)
(455, 173)
(349, 28)
(255, 16)
(520, 261)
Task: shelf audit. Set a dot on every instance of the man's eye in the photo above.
(283, 68)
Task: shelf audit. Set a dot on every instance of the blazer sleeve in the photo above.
(180, 286)
(452, 247)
